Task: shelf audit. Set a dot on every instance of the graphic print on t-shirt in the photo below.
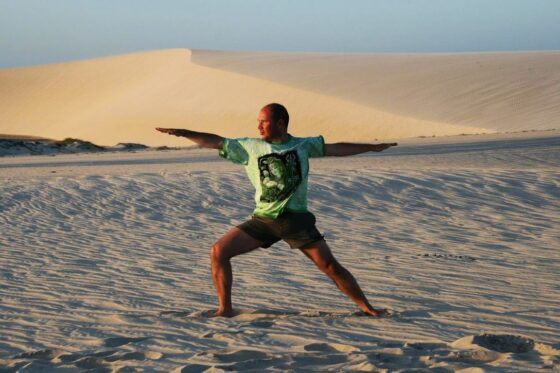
(280, 174)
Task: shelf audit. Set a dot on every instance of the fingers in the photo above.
(385, 146)
(170, 131)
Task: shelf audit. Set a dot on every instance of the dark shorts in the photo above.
(296, 228)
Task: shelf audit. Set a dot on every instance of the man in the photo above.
(277, 165)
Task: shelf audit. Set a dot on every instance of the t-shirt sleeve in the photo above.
(316, 146)
(233, 150)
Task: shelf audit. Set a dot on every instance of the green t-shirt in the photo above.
(277, 171)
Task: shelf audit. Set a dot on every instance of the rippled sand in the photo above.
(105, 263)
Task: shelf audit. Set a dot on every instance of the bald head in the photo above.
(277, 112)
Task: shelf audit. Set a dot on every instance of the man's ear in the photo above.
(282, 123)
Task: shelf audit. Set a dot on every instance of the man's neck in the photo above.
(279, 140)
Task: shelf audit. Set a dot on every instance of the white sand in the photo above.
(496, 91)
(104, 259)
(344, 97)
(104, 262)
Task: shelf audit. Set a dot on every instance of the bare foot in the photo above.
(375, 313)
(224, 313)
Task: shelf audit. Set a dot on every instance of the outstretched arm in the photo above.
(207, 140)
(342, 149)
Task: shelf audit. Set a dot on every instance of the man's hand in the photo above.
(342, 149)
(172, 131)
(381, 147)
(206, 140)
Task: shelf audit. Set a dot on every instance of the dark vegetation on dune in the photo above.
(25, 145)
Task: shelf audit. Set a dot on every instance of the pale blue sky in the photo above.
(41, 31)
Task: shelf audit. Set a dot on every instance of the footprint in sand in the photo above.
(102, 361)
(475, 356)
(503, 343)
(260, 324)
(222, 332)
(494, 347)
(320, 359)
(463, 258)
(136, 355)
(120, 341)
(237, 360)
(426, 348)
(91, 363)
(41, 360)
(192, 368)
(190, 314)
(176, 314)
(392, 358)
(330, 347)
(239, 356)
(69, 358)
(39, 355)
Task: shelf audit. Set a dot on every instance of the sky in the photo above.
(47, 31)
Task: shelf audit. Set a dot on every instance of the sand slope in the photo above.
(497, 91)
(344, 97)
(105, 263)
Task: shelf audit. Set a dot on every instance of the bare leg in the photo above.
(321, 255)
(234, 242)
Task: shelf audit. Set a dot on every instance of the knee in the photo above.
(217, 253)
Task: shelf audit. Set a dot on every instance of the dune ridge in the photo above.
(498, 91)
(344, 97)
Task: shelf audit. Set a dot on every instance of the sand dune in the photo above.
(498, 91)
(104, 260)
(344, 97)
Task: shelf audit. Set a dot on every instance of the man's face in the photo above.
(267, 128)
